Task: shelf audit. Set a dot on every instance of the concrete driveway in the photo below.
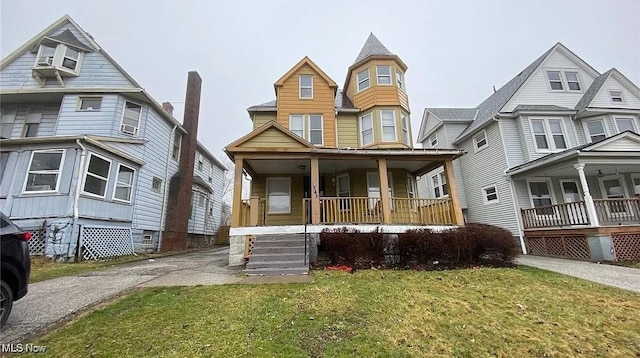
(53, 301)
(627, 278)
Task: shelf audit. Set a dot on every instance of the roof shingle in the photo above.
(372, 47)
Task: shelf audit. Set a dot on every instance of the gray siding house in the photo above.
(86, 153)
(553, 156)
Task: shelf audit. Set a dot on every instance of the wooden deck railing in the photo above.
(609, 212)
(365, 210)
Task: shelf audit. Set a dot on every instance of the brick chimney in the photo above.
(180, 186)
(168, 107)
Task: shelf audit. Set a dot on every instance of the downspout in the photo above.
(166, 192)
(76, 195)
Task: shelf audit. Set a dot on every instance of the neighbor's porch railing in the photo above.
(609, 212)
(366, 210)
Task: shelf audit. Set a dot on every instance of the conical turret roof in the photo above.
(372, 47)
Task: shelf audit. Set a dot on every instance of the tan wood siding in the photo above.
(272, 138)
(322, 102)
(347, 131)
(376, 94)
(260, 119)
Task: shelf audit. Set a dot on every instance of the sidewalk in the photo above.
(627, 278)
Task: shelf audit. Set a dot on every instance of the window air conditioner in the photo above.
(129, 129)
(47, 61)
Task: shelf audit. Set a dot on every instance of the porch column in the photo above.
(237, 192)
(315, 191)
(588, 200)
(254, 207)
(384, 191)
(458, 219)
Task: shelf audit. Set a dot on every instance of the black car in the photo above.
(16, 265)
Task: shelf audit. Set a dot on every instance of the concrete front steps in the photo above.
(278, 255)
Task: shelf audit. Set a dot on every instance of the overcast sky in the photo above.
(456, 50)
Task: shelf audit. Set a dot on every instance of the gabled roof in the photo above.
(305, 61)
(597, 146)
(372, 47)
(453, 113)
(492, 105)
(67, 38)
(591, 92)
(235, 146)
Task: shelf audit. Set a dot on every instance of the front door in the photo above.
(571, 194)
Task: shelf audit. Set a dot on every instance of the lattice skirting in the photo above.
(103, 242)
(626, 246)
(576, 246)
(37, 242)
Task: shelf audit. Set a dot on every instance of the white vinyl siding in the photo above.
(480, 141)
(490, 194)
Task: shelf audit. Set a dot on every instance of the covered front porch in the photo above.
(583, 203)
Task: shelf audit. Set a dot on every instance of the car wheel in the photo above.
(6, 302)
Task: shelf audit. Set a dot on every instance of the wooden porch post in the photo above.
(237, 192)
(384, 191)
(453, 192)
(254, 207)
(588, 200)
(315, 191)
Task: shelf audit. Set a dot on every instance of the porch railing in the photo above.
(366, 210)
(608, 211)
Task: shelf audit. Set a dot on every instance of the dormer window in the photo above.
(46, 55)
(363, 79)
(306, 86)
(71, 57)
(616, 96)
(61, 57)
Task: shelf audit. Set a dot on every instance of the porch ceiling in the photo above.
(302, 166)
(592, 167)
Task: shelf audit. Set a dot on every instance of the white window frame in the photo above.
(442, 181)
(87, 173)
(58, 172)
(588, 133)
(625, 195)
(344, 205)
(564, 81)
(400, 79)
(378, 76)
(122, 124)
(383, 126)
(433, 140)
(82, 99)
(476, 141)
(404, 123)
(309, 129)
(301, 86)
(485, 194)
(176, 146)
(564, 193)
(636, 187)
(548, 135)
(271, 179)
(361, 129)
(118, 183)
(305, 121)
(363, 80)
(159, 181)
(147, 237)
(634, 127)
(411, 187)
(32, 122)
(613, 96)
(552, 196)
(57, 59)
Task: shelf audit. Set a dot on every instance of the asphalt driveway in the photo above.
(56, 300)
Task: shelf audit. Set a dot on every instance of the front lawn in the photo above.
(503, 312)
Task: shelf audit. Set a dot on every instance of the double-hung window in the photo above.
(32, 122)
(400, 79)
(384, 75)
(540, 194)
(308, 126)
(175, 149)
(131, 118)
(279, 195)
(548, 134)
(490, 194)
(573, 82)
(616, 97)
(306, 86)
(97, 176)
(70, 59)
(363, 79)
(564, 80)
(61, 56)
(44, 171)
(625, 124)
(480, 141)
(555, 80)
(595, 128)
(124, 183)
(388, 123)
(366, 129)
(440, 188)
(405, 128)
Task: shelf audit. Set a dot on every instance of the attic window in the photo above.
(572, 81)
(433, 140)
(306, 86)
(70, 60)
(46, 55)
(60, 56)
(555, 81)
(616, 96)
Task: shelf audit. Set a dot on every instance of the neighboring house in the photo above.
(328, 158)
(553, 156)
(86, 153)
